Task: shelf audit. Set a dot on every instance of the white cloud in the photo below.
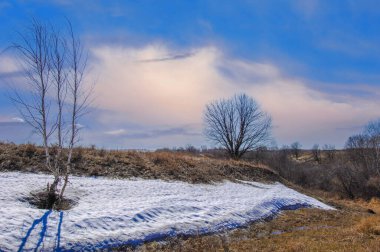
(172, 93)
(159, 92)
(8, 119)
(18, 119)
(115, 132)
(8, 64)
(80, 126)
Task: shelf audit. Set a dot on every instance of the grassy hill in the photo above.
(355, 226)
(150, 165)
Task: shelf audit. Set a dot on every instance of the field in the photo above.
(353, 226)
(112, 212)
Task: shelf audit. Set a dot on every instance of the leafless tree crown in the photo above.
(237, 124)
(364, 149)
(296, 149)
(55, 97)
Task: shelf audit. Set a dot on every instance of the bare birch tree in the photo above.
(55, 99)
(237, 124)
(79, 96)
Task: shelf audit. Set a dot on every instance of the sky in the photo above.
(311, 64)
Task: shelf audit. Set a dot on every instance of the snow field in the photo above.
(113, 212)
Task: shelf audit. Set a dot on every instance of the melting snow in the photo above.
(114, 212)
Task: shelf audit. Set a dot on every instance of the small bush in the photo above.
(77, 154)
(29, 150)
(44, 200)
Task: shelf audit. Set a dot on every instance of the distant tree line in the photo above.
(353, 171)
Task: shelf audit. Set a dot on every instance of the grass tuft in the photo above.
(369, 225)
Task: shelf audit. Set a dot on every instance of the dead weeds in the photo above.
(148, 165)
(351, 228)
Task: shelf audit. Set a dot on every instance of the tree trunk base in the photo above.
(49, 200)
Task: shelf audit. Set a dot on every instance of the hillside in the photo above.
(148, 165)
(355, 226)
(108, 213)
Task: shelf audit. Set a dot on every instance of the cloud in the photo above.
(15, 129)
(115, 132)
(364, 7)
(12, 120)
(18, 119)
(166, 94)
(154, 96)
(151, 133)
(10, 71)
(157, 133)
(8, 64)
(170, 57)
(161, 93)
(307, 8)
(348, 44)
(80, 126)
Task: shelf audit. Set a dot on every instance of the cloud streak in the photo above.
(150, 134)
(171, 57)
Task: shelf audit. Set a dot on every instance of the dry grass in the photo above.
(351, 228)
(355, 226)
(149, 165)
(369, 225)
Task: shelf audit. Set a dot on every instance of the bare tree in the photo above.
(357, 151)
(347, 176)
(54, 64)
(79, 96)
(372, 133)
(330, 151)
(364, 149)
(316, 151)
(34, 53)
(296, 149)
(237, 124)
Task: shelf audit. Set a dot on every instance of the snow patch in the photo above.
(114, 212)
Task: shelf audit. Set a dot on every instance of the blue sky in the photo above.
(312, 64)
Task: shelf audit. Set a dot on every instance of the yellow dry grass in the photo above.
(150, 165)
(350, 228)
(370, 225)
